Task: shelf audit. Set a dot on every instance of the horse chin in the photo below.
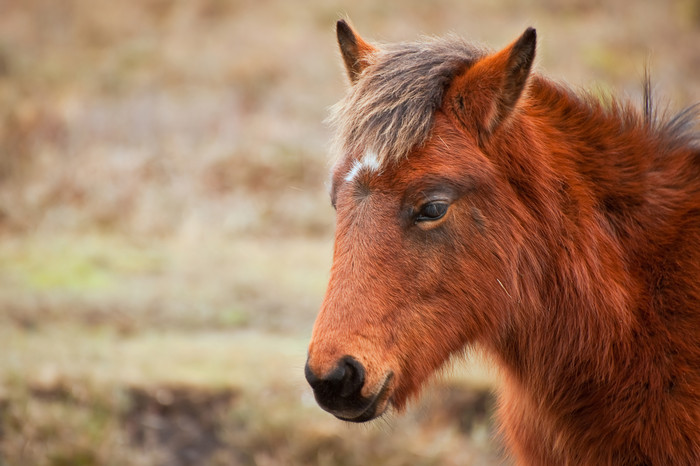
(376, 406)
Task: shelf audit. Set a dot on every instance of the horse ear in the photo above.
(485, 95)
(355, 51)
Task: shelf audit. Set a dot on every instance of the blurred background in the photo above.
(166, 234)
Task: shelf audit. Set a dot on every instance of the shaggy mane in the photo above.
(390, 109)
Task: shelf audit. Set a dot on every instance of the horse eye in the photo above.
(432, 211)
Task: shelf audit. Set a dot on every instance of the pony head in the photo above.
(427, 230)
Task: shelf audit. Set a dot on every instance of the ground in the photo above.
(166, 233)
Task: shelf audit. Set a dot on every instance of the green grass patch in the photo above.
(90, 263)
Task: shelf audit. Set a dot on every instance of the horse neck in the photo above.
(575, 167)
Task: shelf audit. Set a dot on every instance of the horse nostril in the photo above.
(345, 381)
(353, 378)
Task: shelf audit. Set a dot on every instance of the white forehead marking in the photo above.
(369, 162)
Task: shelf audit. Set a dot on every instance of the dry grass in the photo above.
(178, 283)
(165, 232)
(151, 117)
(77, 396)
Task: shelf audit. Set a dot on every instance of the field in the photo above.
(166, 234)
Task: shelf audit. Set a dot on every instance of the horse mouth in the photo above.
(377, 405)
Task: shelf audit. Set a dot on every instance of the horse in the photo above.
(482, 205)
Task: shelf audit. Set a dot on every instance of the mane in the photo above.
(675, 131)
(390, 108)
(683, 129)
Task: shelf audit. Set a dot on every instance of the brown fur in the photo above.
(570, 252)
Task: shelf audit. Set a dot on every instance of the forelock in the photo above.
(390, 109)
